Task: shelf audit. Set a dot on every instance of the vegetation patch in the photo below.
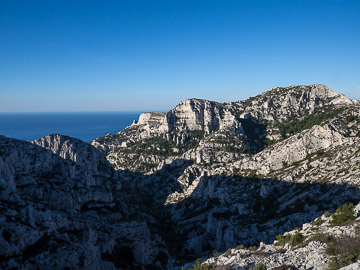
(342, 215)
(345, 250)
(256, 131)
(318, 221)
(296, 239)
(282, 239)
(284, 267)
(198, 266)
(294, 126)
(260, 267)
(323, 238)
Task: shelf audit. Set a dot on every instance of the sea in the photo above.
(85, 126)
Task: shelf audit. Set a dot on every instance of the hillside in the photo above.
(174, 187)
(210, 132)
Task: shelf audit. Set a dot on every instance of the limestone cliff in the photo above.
(207, 131)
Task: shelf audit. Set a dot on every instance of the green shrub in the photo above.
(198, 266)
(293, 126)
(296, 239)
(322, 237)
(252, 174)
(318, 221)
(341, 261)
(252, 248)
(260, 267)
(345, 250)
(284, 267)
(342, 215)
(282, 239)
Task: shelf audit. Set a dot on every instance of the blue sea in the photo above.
(85, 125)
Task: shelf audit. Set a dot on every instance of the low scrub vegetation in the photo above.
(260, 267)
(282, 239)
(294, 239)
(294, 126)
(198, 266)
(345, 250)
(342, 215)
(323, 238)
(284, 267)
(318, 221)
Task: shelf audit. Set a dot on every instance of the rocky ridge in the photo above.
(211, 132)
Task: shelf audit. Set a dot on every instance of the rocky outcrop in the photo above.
(84, 155)
(191, 114)
(198, 114)
(318, 246)
(56, 214)
(282, 102)
(294, 149)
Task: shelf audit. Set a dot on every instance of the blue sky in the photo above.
(149, 55)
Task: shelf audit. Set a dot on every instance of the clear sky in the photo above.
(149, 55)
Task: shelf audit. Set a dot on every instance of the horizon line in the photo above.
(15, 112)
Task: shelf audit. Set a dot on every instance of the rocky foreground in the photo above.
(205, 178)
(331, 241)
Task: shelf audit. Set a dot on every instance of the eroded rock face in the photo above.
(195, 114)
(294, 149)
(191, 114)
(281, 102)
(91, 160)
(83, 154)
(58, 214)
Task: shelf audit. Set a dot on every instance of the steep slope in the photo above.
(58, 215)
(84, 155)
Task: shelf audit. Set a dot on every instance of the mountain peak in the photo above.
(315, 90)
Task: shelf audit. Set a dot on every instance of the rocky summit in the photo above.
(271, 182)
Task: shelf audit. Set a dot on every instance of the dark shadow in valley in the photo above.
(152, 190)
(226, 211)
(256, 132)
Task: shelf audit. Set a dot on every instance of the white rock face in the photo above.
(294, 149)
(353, 266)
(191, 114)
(83, 154)
(296, 134)
(281, 102)
(195, 114)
